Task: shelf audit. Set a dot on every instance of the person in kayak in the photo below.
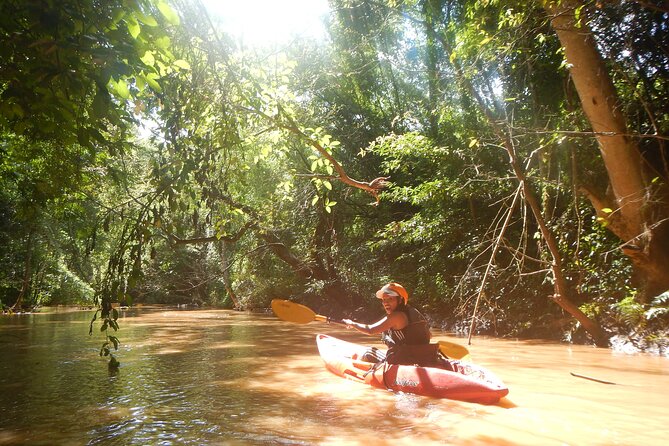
(404, 330)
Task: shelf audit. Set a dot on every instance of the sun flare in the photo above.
(267, 22)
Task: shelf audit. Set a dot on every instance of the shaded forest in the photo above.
(506, 161)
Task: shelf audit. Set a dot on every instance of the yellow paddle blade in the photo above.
(454, 351)
(292, 312)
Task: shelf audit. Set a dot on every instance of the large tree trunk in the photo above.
(633, 218)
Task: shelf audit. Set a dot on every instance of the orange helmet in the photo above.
(393, 289)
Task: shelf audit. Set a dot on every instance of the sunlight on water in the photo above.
(221, 377)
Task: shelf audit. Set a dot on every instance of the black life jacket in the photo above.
(417, 332)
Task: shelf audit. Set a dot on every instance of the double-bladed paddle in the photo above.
(301, 314)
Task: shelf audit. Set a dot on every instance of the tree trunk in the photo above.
(225, 271)
(600, 104)
(27, 271)
(562, 293)
(561, 296)
(312, 268)
(633, 219)
(432, 14)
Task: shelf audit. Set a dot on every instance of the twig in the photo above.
(592, 379)
(491, 261)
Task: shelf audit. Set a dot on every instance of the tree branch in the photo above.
(214, 238)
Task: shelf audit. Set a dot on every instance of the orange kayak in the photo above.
(469, 382)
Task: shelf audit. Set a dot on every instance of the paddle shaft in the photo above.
(449, 349)
(301, 314)
(328, 320)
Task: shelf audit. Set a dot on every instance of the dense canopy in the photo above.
(506, 161)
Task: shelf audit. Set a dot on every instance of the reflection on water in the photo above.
(221, 377)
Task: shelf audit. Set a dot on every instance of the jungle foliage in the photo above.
(146, 157)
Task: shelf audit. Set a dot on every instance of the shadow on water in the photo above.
(222, 377)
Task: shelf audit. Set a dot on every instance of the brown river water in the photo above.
(221, 377)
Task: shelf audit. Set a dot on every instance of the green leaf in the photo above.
(133, 27)
(170, 14)
(122, 89)
(113, 363)
(162, 42)
(327, 185)
(182, 64)
(148, 58)
(101, 104)
(607, 210)
(83, 137)
(577, 16)
(146, 19)
(314, 200)
(151, 79)
(18, 110)
(90, 330)
(140, 82)
(118, 14)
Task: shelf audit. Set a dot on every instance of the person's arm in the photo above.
(395, 320)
